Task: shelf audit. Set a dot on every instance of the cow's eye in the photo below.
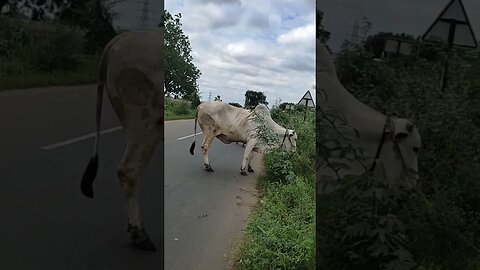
(416, 149)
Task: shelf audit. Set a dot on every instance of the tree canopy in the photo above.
(93, 16)
(253, 98)
(181, 74)
(322, 33)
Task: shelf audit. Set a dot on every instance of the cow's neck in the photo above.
(366, 120)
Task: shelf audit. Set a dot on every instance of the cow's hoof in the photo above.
(145, 245)
(243, 173)
(140, 238)
(250, 169)
(208, 168)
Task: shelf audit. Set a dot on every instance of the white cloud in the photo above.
(245, 45)
(300, 35)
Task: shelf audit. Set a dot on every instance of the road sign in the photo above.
(307, 100)
(398, 46)
(452, 27)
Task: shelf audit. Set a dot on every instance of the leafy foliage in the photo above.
(178, 109)
(436, 226)
(280, 233)
(263, 133)
(181, 74)
(253, 98)
(93, 17)
(322, 33)
(28, 47)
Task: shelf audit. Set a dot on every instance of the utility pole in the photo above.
(210, 96)
(143, 23)
(354, 36)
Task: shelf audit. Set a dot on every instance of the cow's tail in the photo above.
(91, 171)
(192, 147)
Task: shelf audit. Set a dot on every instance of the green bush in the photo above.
(182, 107)
(281, 232)
(178, 109)
(41, 46)
(41, 54)
(441, 219)
(278, 167)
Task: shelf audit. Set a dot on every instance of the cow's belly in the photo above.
(229, 139)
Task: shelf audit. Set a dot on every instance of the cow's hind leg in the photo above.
(135, 159)
(207, 141)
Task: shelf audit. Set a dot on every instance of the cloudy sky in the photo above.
(241, 45)
(409, 16)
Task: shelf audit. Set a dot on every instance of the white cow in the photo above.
(229, 124)
(391, 143)
(131, 70)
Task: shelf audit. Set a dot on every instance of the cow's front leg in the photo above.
(250, 169)
(246, 156)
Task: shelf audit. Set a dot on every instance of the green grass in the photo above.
(281, 232)
(176, 109)
(23, 76)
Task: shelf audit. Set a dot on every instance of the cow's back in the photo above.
(222, 118)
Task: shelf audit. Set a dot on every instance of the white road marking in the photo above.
(78, 139)
(188, 136)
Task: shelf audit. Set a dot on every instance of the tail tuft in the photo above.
(192, 147)
(89, 176)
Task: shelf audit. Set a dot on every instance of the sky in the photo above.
(408, 16)
(241, 45)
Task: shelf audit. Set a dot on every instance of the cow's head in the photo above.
(400, 152)
(290, 140)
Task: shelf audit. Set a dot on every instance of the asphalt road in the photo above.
(46, 223)
(204, 212)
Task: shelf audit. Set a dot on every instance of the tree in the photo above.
(93, 16)
(253, 98)
(322, 33)
(181, 74)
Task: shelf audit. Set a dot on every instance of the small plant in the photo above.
(266, 136)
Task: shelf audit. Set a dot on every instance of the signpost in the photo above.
(453, 28)
(306, 100)
(398, 46)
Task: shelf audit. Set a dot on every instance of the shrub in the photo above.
(441, 220)
(280, 233)
(38, 46)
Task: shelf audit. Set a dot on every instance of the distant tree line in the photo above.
(94, 17)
